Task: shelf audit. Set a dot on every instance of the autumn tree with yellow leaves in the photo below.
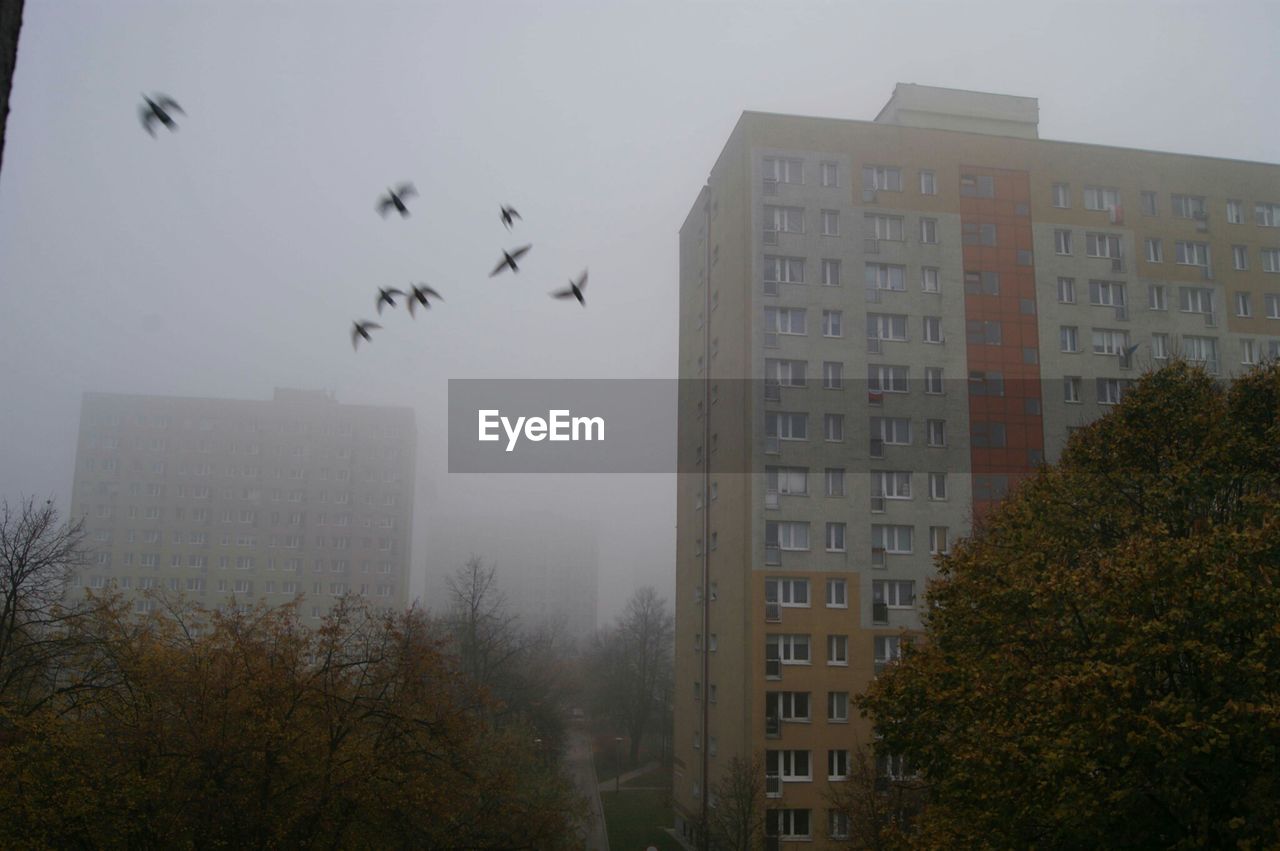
(1101, 663)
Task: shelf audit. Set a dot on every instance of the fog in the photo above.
(230, 257)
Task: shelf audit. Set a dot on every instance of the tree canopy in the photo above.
(1101, 659)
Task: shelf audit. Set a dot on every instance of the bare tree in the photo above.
(632, 665)
(484, 632)
(38, 556)
(736, 822)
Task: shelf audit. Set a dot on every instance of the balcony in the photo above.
(877, 505)
(772, 726)
(772, 392)
(878, 557)
(772, 785)
(879, 613)
(875, 346)
(772, 613)
(773, 669)
(770, 236)
(770, 499)
(770, 186)
(876, 450)
(772, 555)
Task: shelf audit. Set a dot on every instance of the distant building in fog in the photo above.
(546, 567)
(260, 500)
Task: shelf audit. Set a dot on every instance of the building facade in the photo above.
(884, 325)
(228, 500)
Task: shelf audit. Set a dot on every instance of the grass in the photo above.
(657, 777)
(638, 818)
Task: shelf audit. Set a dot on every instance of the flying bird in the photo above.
(395, 199)
(509, 259)
(361, 328)
(157, 108)
(509, 213)
(575, 289)
(419, 296)
(388, 296)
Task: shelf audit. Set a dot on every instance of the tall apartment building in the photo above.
(928, 304)
(251, 500)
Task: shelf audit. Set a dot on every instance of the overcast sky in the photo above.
(229, 258)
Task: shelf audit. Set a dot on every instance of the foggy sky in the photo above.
(230, 257)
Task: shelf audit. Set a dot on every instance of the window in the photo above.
(1148, 201)
(838, 765)
(887, 326)
(1062, 241)
(1243, 305)
(886, 178)
(1189, 207)
(1192, 253)
(1270, 259)
(1201, 350)
(894, 593)
(832, 375)
(790, 593)
(883, 276)
(837, 650)
(1155, 250)
(929, 231)
(1248, 352)
(1067, 290)
(789, 649)
(786, 425)
(785, 320)
(786, 219)
(888, 649)
(788, 824)
(937, 486)
(928, 183)
(936, 432)
(929, 279)
(788, 705)
(982, 283)
(832, 323)
(1109, 342)
(1102, 245)
(938, 539)
(1160, 346)
(1101, 198)
(1195, 299)
(1267, 215)
(835, 537)
(986, 383)
(837, 706)
(1106, 293)
(787, 373)
(987, 434)
(787, 536)
(1071, 388)
(892, 539)
(835, 481)
(883, 227)
(977, 186)
(1156, 297)
(882, 378)
(891, 484)
(837, 594)
(830, 223)
(1068, 338)
(933, 379)
(830, 175)
(791, 765)
(933, 329)
(831, 273)
(1061, 195)
(783, 270)
(895, 431)
(983, 332)
(838, 821)
(1273, 305)
(1240, 257)
(1110, 390)
(783, 170)
(1235, 212)
(793, 481)
(833, 427)
(977, 233)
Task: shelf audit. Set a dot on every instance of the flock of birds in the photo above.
(160, 109)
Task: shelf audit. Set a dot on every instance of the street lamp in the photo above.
(617, 763)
